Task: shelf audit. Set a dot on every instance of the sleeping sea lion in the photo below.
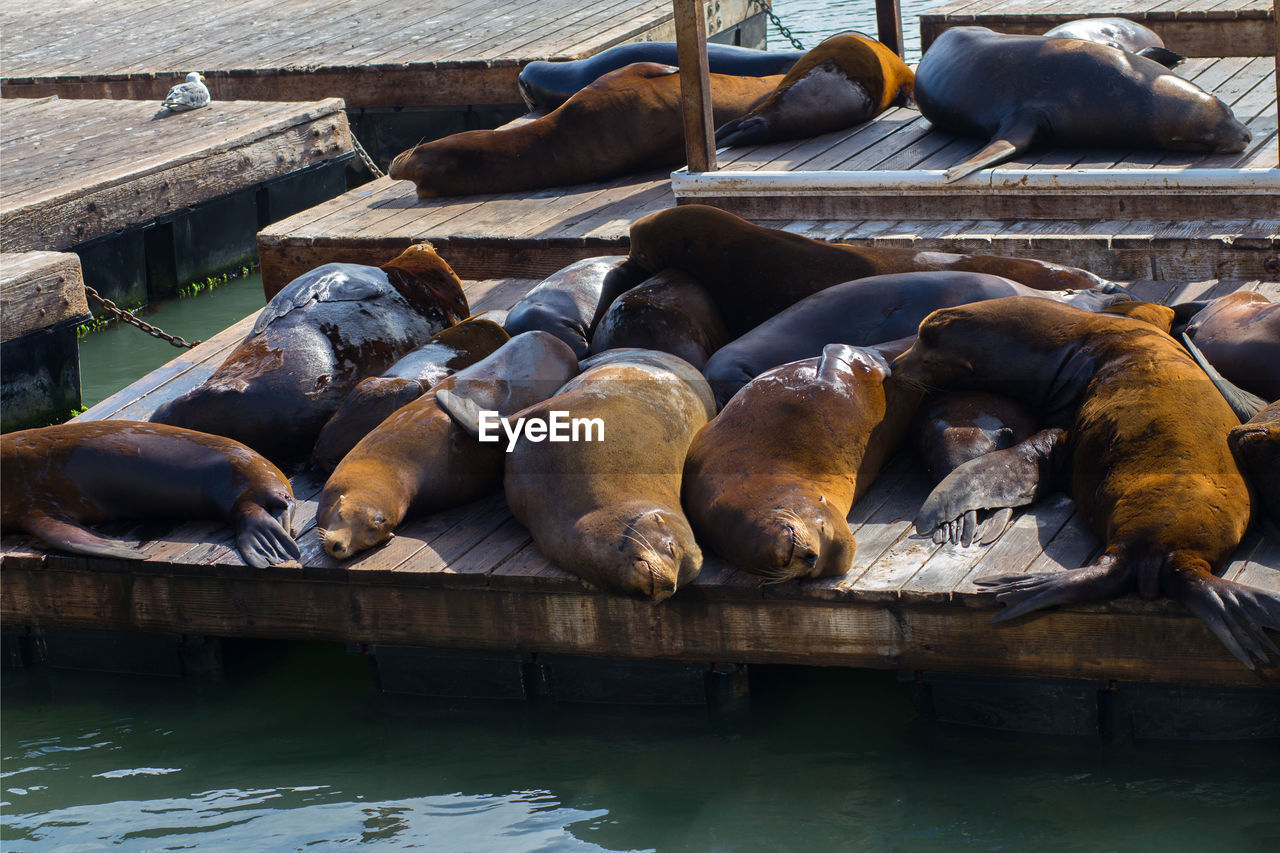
(846, 80)
(1022, 91)
(566, 303)
(419, 460)
(754, 272)
(1149, 469)
(370, 402)
(1239, 334)
(319, 336)
(1120, 33)
(671, 313)
(56, 479)
(768, 483)
(626, 121)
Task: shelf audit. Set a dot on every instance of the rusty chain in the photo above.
(777, 22)
(125, 316)
(366, 159)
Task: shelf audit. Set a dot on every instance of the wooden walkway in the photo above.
(472, 579)
(1190, 27)
(75, 170)
(388, 53)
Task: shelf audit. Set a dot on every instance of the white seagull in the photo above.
(190, 95)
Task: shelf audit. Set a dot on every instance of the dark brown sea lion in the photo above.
(370, 402)
(1256, 446)
(626, 121)
(1149, 470)
(866, 311)
(317, 338)
(754, 272)
(1022, 91)
(846, 80)
(54, 480)
(670, 312)
(547, 85)
(1120, 33)
(420, 461)
(566, 303)
(1240, 336)
(608, 509)
(768, 483)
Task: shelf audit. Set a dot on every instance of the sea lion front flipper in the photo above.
(1015, 135)
(1163, 55)
(69, 536)
(1002, 479)
(1238, 615)
(1244, 404)
(463, 410)
(262, 540)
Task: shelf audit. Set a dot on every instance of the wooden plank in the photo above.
(695, 86)
(39, 290)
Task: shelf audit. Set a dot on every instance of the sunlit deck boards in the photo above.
(1190, 27)
(396, 53)
(471, 578)
(891, 168)
(75, 170)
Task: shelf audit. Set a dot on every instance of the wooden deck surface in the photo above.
(75, 170)
(390, 53)
(1190, 27)
(471, 578)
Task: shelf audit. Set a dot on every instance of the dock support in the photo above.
(695, 85)
(889, 24)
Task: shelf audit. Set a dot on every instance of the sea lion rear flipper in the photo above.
(464, 411)
(262, 540)
(1163, 55)
(1244, 404)
(1239, 615)
(69, 536)
(1107, 578)
(1015, 135)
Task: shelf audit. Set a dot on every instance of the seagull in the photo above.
(190, 95)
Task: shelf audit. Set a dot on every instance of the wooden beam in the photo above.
(39, 290)
(695, 85)
(889, 24)
(1275, 22)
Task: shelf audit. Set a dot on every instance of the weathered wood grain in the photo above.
(39, 290)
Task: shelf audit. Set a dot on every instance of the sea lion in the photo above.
(1239, 334)
(56, 479)
(1256, 446)
(1120, 33)
(768, 483)
(419, 460)
(626, 121)
(546, 85)
(846, 80)
(608, 509)
(1149, 470)
(370, 402)
(319, 336)
(670, 312)
(566, 303)
(1021, 91)
(753, 272)
(865, 311)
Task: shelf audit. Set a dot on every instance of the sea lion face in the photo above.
(811, 543)
(1189, 119)
(655, 555)
(350, 525)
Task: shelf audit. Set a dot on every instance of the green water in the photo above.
(296, 750)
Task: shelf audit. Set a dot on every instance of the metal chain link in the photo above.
(368, 161)
(125, 316)
(777, 22)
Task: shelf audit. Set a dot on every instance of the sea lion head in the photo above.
(654, 555)
(813, 542)
(351, 522)
(1187, 118)
(441, 167)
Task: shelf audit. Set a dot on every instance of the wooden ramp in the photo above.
(75, 170)
(1190, 27)
(892, 168)
(472, 579)
(402, 53)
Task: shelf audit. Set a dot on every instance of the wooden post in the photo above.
(889, 24)
(695, 85)
(1276, 22)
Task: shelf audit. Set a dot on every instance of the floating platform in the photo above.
(472, 579)
(405, 53)
(1190, 27)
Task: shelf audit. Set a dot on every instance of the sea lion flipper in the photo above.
(1166, 57)
(1021, 594)
(1244, 404)
(1238, 615)
(262, 540)
(1014, 136)
(464, 411)
(69, 536)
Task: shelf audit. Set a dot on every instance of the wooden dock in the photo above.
(1190, 27)
(472, 579)
(396, 53)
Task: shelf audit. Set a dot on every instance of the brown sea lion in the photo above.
(768, 483)
(626, 121)
(670, 312)
(420, 461)
(1239, 334)
(865, 311)
(318, 337)
(370, 402)
(846, 80)
(1149, 469)
(1023, 91)
(54, 480)
(753, 272)
(608, 509)
(1256, 446)
(567, 303)
(1120, 33)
